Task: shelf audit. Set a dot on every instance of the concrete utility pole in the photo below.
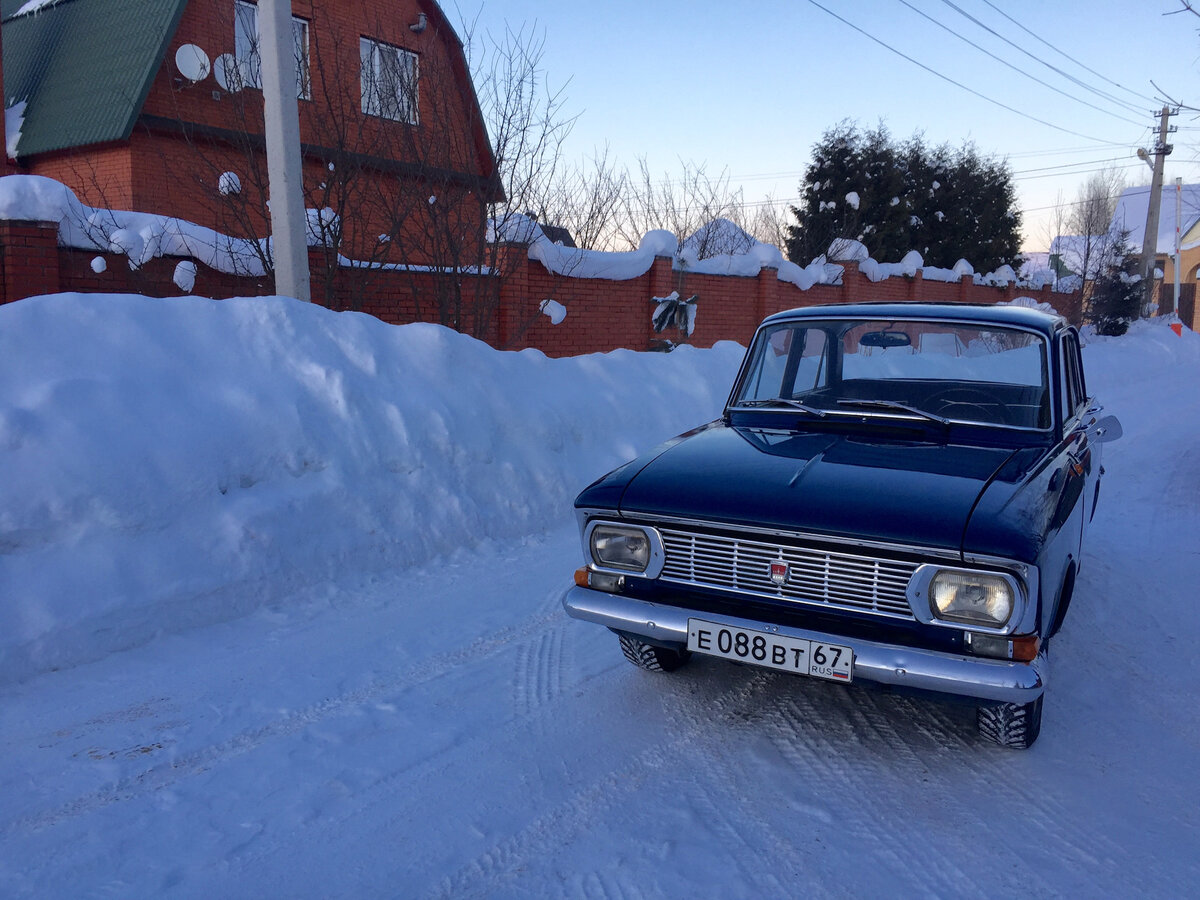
(281, 117)
(1150, 239)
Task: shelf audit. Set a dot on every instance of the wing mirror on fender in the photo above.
(1107, 429)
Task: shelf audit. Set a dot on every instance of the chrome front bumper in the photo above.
(929, 670)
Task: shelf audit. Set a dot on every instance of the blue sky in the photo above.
(749, 87)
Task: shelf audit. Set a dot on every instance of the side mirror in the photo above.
(1107, 429)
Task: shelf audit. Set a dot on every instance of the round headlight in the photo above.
(621, 547)
(973, 598)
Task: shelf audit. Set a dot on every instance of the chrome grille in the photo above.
(824, 578)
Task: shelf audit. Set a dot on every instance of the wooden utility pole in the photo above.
(281, 119)
(1150, 239)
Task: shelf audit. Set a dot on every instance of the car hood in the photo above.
(913, 493)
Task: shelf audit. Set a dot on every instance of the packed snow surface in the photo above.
(279, 616)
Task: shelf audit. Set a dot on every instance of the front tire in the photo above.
(652, 658)
(1012, 725)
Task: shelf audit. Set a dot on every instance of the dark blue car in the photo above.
(895, 493)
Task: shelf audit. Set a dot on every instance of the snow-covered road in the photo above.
(446, 731)
(357, 745)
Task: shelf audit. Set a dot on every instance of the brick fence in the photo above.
(601, 315)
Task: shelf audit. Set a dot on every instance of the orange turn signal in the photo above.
(581, 577)
(1025, 647)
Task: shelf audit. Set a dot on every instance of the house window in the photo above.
(389, 81)
(246, 49)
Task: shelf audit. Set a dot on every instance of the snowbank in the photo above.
(169, 463)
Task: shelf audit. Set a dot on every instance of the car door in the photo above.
(1082, 471)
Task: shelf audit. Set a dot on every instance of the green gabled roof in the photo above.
(84, 67)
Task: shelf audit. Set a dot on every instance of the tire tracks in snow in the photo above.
(490, 871)
(537, 628)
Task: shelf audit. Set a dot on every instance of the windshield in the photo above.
(943, 371)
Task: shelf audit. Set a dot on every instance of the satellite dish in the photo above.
(228, 73)
(192, 62)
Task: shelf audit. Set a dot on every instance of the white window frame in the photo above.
(246, 48)
(390, 76)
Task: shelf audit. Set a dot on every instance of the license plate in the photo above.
(774, 651)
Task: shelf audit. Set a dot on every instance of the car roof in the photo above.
(1015, 316)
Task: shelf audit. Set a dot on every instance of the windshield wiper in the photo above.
(781, 402)
(893, 404)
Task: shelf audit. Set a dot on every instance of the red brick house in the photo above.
(155, 106)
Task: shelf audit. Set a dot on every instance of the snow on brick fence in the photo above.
(601, 314)
(599, 301)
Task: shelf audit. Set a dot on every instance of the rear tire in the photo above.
(1012, 725)
(651, 658)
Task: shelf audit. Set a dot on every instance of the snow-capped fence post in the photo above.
(852, 280)
(512, 261)
(916, 287)
(660, 279)
(318, 275)
(28, 259)
(766, 295)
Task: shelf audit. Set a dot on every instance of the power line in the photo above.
(1092, 148)
(1090, 162)
(946, 78)
(1065, 54)
(1019, 71)
(1130, 191)
(1081, 172)
(1099, 93)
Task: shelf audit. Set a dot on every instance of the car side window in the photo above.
(791, 361)
(1079, 367)
(1074, 394)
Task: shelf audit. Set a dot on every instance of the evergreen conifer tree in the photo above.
(1116, 295)
(943, 202)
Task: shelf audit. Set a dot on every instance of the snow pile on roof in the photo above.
(1003, 275)
(172, 462)
(1133, 206)
(1035, 269)
(32, 6)
(1077, 252)
(720, 237)
(14, 119)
